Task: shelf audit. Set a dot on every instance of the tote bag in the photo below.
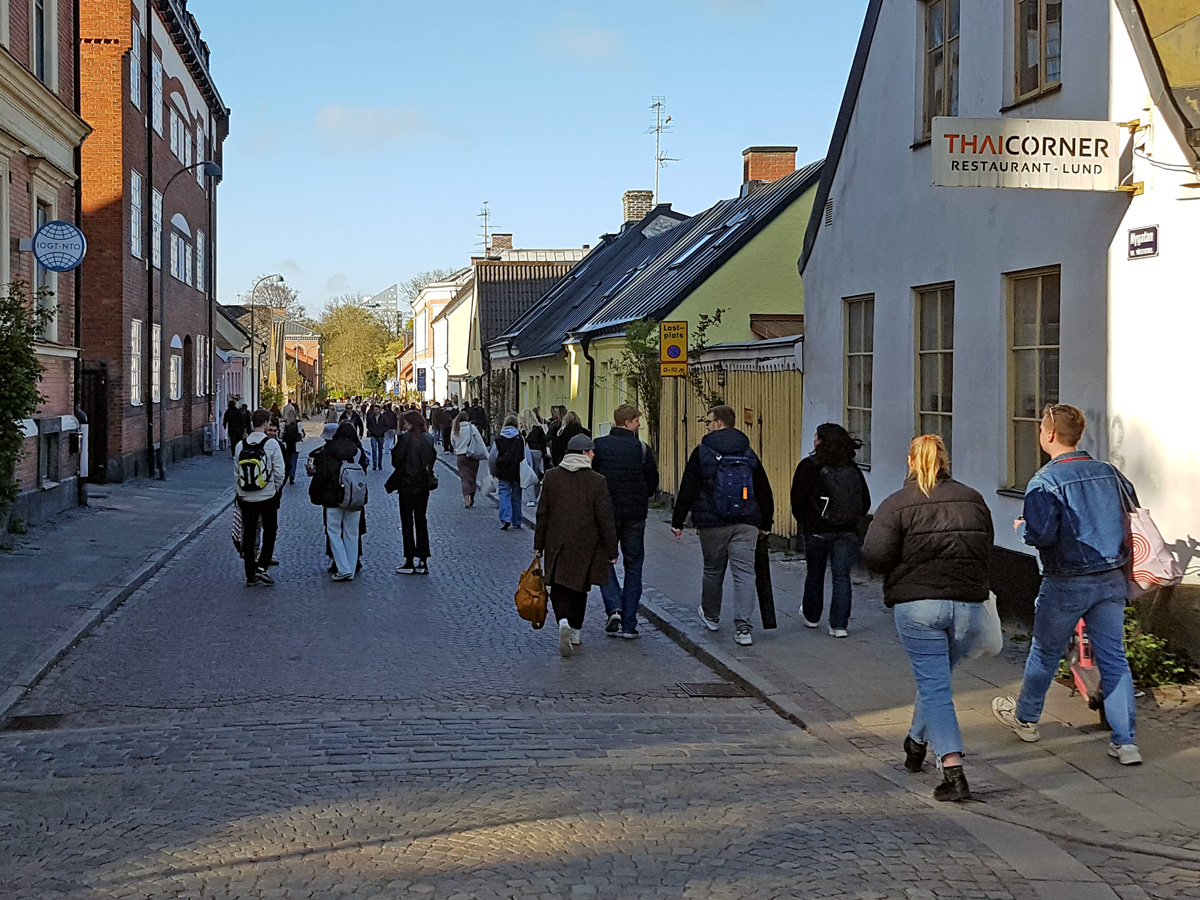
(1152, 564)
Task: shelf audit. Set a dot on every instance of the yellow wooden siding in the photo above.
(772, 402)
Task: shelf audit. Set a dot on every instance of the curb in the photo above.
(108, 603)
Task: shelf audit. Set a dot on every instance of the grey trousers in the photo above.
(729, 546)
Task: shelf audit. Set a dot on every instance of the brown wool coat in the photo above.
(575, 529)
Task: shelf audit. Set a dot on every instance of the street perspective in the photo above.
(699, 449)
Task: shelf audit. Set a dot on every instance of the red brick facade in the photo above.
(122, 285)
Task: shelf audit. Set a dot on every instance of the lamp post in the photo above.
(254, 351)
(212, 170)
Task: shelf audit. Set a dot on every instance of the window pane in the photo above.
(952, 79)
(1053, 41)
(929, 320)
(935, 24)
(867, 386)
(937, 82)
(929, 382)
(947, 435)
(947, 382)
(868, 308)
(1050, 308)
(1025, 330)
(952, 20)
(1025, 399)
(863, 432)
(929, 423)
(854, 381)
(948, 319)
(1048, 378)
(1027, 455)
(854, 328)
(1028, 45)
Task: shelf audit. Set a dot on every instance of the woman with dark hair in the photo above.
(412, 478)
(830, 500)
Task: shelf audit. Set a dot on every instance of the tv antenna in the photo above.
(662, 123)
(485, 216)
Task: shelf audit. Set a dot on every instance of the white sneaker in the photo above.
(1125, 754)
(564, 637)
(576, 637)
(1005, 711)
(838, 632)
(808, 624)
(710, 624)
(743, 636)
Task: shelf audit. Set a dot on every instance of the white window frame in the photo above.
(175, 376)
(175, 123)
(136, 351)
(187, 261)
(947, 104)
(156, 237)
(198, 362)
(135, 66)
(156, 363)
(201, 258)
(175, 256)
(1019, 35)
(200, 148)
(1043, 393)
(156, 94)
(50, 50)
(938, 355)
(859, 370)
(136, 224)
(44, 199)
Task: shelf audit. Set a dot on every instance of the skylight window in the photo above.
(693, 250)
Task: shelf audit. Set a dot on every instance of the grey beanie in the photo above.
(580, 443)
(329, 431)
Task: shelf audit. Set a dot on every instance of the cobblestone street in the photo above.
(409, 736)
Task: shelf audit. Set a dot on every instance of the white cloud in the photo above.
(337, 284)
(289, 267)
(344, 128)
(577, 40)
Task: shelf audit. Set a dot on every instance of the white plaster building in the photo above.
(429, 303)
(965, 310)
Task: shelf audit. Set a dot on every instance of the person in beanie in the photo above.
(627, 463)
(729, 526)
(575, 536)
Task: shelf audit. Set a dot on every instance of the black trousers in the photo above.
(414, 524)
(568, 604)
(254, 512)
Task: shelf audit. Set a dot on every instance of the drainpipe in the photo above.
(77, 393)
(586, 343)
(514, 369)
(148, 335)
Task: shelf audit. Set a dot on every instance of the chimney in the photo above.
(637, 205)
(501, 241)
(767, 164)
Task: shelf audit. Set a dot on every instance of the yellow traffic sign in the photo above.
(672, 370)
(672, 342)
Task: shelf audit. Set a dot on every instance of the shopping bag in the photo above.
(1152, 565)
(989, 640)
(237, 526)
(531, 594)
(762, 581)
(528, 476)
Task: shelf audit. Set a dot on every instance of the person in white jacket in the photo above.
(259, 476)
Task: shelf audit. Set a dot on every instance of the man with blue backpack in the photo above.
(729, 497)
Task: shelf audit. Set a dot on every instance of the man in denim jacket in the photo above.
(1075, 515)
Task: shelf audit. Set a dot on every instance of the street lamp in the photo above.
(212, 170)
(254, 352)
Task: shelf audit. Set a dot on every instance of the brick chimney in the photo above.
(637, 205)
(501, 241)
(767, 164)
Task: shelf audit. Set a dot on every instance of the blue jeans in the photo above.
(510, 502)
(1098, 599)
(840, 551)
(937, 634)
(289, 461)
(377, 452)
(632, 537)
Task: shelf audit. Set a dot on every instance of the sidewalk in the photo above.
(859, 691)
(64, 577)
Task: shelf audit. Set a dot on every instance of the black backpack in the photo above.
(841, 501)
(733, 488)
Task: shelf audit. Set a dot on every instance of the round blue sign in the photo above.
(673, 351)
(59, 246)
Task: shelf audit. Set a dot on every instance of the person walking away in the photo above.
(469, 450)
(576, 537)
(451, 419)
(571, 426)
(438, 422)
(628, 467)
(931, 541)
(413, 459)
(504, 462)
(534, 433)
(292, 435)
(1075, 515)
(235, 426)
(830, 499)
(328, 434)
(729, 497)
(259, 479)
(339, 486)
(479, 419)
(552, 427)
(377, 429)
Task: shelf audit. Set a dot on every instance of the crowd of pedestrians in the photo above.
(930, 540)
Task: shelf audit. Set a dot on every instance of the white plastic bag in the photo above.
(989, 639)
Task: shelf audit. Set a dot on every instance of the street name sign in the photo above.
(1053, 154)
(1143, 242)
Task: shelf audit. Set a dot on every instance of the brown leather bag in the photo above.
(531, 594)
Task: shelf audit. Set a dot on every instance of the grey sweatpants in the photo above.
(729, 546)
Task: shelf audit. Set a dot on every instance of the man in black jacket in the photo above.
(628, 465)
(729, 522)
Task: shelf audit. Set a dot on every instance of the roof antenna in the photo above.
(662, 123)
(486, 215)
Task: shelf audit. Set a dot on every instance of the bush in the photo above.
(1152, 662)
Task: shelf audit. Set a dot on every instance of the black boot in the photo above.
(954, 785)
(914, 754)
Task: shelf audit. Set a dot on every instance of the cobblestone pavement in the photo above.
(405, 736)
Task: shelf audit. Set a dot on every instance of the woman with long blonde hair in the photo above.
(931, 540)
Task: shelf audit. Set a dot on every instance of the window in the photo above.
(1033, 365)
(1039, 46)
(156, 94)
(176, 376)
(941, 61)
(199, 157)
(156, 217)
(175, 255)
(135, 362)
(156, 364)
(176, 128)
(935, 361)
(135, 213)
(200, 258)
(201, 366)
(44, 280)
(135, 67)
(187, 261)
(41, 41)
(860, 353)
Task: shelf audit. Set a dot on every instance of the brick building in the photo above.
(40, 135)
(148, 93)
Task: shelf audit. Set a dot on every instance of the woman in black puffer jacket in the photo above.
(931, 540)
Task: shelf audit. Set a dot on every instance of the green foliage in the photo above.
(638, 364)
(1151, 661)
(22, 319)
(268, 395)
(708, 397)
(16, 525)
(354, 340)
(385, 363)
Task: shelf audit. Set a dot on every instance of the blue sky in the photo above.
(363, 147)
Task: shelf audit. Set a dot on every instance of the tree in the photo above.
(354, 340)
(638, 364)
(277, 295)
(410, 288)
(709, 397)
(386, 362)
(22, 319)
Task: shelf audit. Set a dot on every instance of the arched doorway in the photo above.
(189, 384)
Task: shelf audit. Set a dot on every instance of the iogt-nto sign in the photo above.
(1056, 154)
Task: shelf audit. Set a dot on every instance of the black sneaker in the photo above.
(407, 569)
(914, 754)
(421, 568)
(251, 582)
(613, 625)
(264, 577)
(504, 526)
(332, 570)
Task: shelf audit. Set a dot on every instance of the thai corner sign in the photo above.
(1053, 154)
(59, 246)
(672, 349)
